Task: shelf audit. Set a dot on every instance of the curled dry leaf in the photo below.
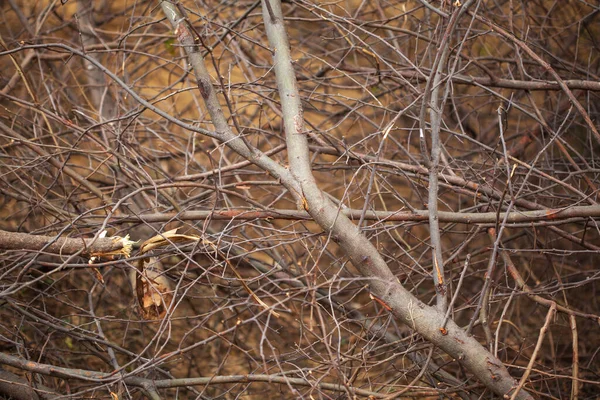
(153, 289)
(164, 239)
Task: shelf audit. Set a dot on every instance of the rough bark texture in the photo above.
(57, 245)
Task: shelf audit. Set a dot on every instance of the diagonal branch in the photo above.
(382, 282)
(191, 43)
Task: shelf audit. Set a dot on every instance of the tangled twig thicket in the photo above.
(374, 199)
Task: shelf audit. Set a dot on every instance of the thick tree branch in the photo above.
(191, 43)
(63, 245)
(382, 283)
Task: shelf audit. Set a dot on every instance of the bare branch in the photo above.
(365, 256)
(64, 245)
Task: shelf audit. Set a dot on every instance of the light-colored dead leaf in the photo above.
(165, 239)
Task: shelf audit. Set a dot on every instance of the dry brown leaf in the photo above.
(153, 289)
